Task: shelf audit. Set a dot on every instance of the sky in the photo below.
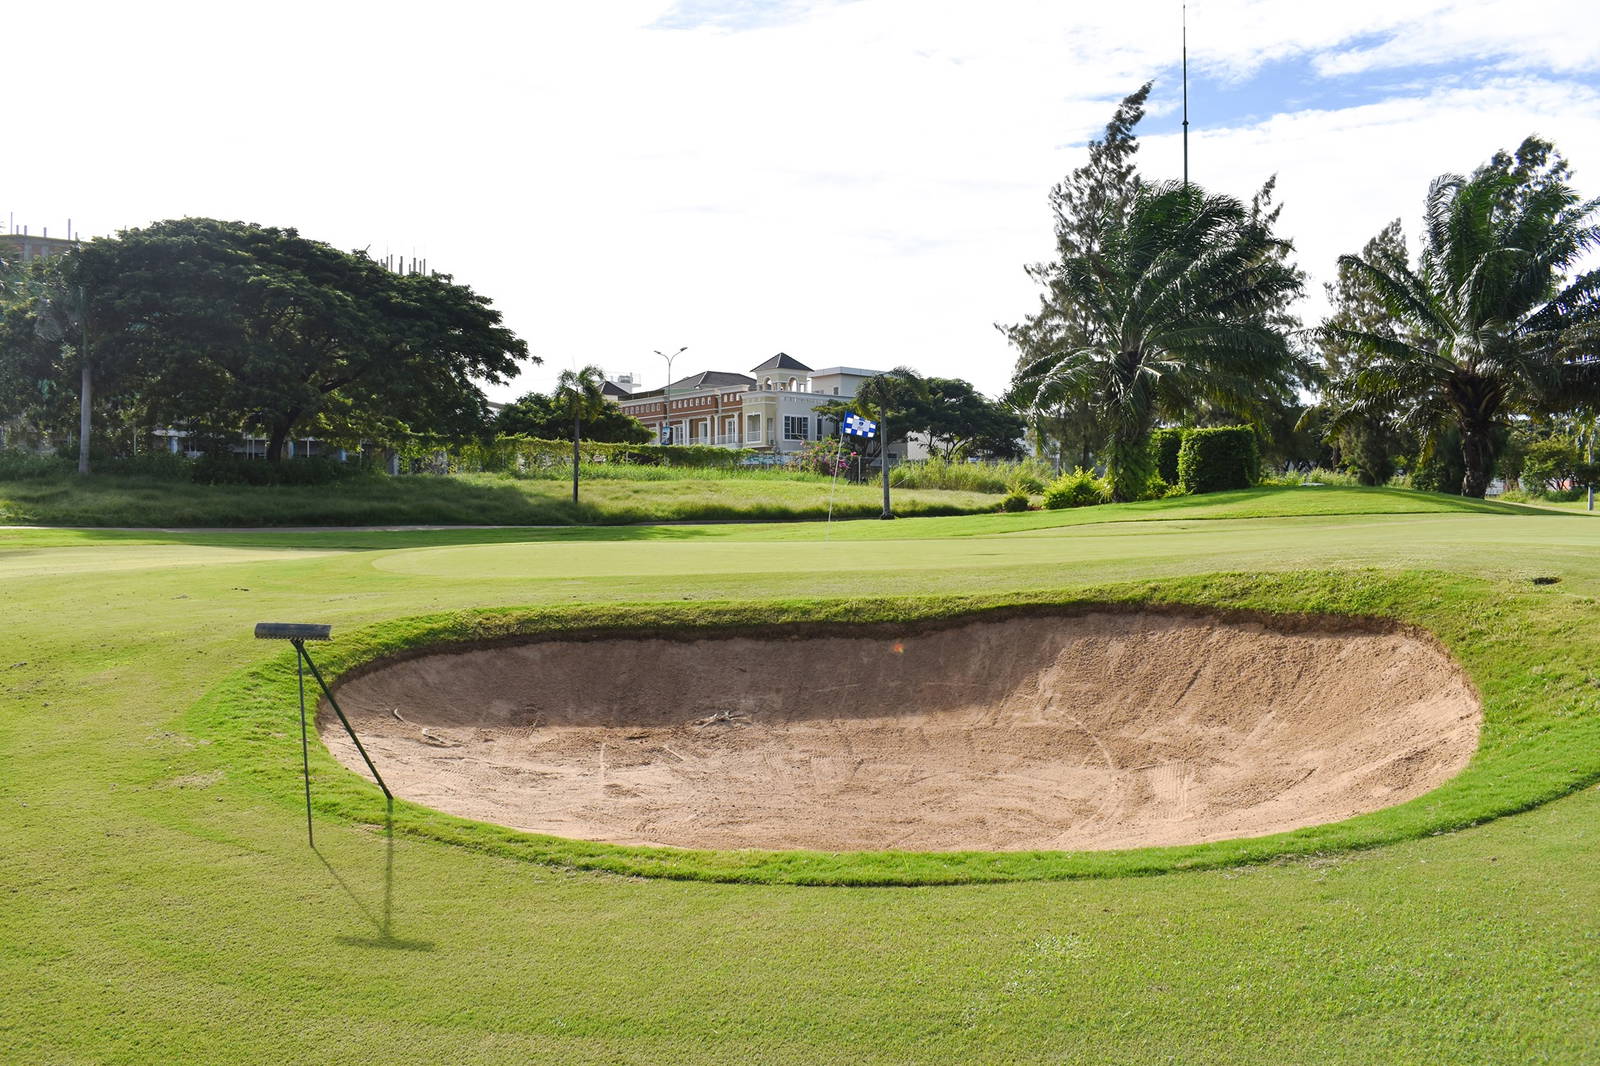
(855, 182)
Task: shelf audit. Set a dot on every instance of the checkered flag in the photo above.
(857, 426)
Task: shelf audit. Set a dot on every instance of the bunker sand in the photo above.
(1088, 731)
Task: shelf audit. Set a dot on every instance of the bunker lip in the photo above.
(1036, 729)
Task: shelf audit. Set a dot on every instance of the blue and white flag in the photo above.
(857, 426)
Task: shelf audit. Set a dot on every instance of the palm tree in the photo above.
(1179, 307)
(1486, 326)
(580, 391)
(890, 397)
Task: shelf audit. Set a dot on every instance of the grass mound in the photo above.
(615, 496)
(1539, 741)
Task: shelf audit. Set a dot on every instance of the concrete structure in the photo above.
(772, 409)
(38, 247)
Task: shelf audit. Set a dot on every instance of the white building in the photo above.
(772, 409)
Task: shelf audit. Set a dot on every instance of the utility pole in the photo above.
(86, 382)
(1186, 93)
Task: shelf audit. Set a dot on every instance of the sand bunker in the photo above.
(1094, 730)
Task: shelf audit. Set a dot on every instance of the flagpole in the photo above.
(838, 454)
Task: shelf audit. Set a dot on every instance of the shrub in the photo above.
(1318, 475)
(1164, 447)
(1212, 460)
(18, 465)
(1156, 489)
(1028, 483)
(215, 470)
(1016, 500)
(1077, 489)
(826, 457)
(162, 464)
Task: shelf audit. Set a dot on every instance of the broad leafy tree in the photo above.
(578, 392)
(958, 420)
(544, 416)
(1178, 304)
(1487, 323)
(233, 325)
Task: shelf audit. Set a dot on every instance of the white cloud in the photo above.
(849, 182)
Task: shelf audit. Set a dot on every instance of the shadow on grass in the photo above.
(381, 920)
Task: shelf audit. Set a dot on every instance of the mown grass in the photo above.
(1524, 758)
(158, 902)
(665, 495)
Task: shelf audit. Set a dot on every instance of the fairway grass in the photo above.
(1536, 742)
(158, 902)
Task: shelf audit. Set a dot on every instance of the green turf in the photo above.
(1524, 758)
(157, 902)
(466, 499)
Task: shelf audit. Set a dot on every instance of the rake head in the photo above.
(292, 631)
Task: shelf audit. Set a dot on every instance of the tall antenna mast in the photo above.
(1186, 92)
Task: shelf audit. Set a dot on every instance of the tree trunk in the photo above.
(883, 452)
(1477, 454)
(276, 440)
(574, 458)
(84, 398)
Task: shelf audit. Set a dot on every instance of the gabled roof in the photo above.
(712, 379)
(611, 388)
(781, 361)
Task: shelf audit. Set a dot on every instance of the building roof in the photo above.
(611, 388)
(848, 371)
(781, 361)
(712, 379)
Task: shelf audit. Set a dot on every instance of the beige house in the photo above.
(771, 409)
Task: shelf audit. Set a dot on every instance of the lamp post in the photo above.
(666, 390)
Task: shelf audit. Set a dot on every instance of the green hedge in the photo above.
(1212, 460)
(521, 454)
(1164, 447)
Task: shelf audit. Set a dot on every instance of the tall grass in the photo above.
(616, 471)
(1317, 476)
(996, 477)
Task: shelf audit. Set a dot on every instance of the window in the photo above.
(796, 427)
(752, 428)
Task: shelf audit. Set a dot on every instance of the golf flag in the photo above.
(857, 426)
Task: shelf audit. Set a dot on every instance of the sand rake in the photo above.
(297, 633)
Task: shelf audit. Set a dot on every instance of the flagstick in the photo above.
(838, 453)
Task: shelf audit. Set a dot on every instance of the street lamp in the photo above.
(666, 390)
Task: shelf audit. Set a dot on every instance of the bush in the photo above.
(1157, 489)
(1015, 501)
(826, 457)
(1213, 460)
(18, 465)
(161, 464)
(1028, 483)
(1164, 447)
(530, 455)
(1077, 489)
(1319, 475)
(215, 470)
